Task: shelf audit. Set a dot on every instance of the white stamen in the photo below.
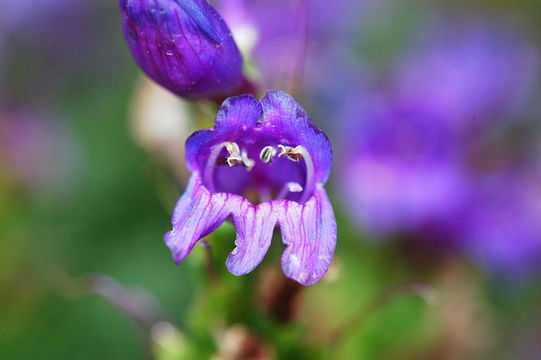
(310, 172)
(288, 187)
(249, 163)
(296, 154)
(234, 157)
(294, 187)
(293, 153)
(267, 154)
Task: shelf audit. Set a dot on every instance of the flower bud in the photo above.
(184, 46)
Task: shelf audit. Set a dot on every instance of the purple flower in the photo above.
(401, 170)
(266, 153)
(274, 32)
(463, 71)
(185, 46)
(503, 222)
(406, 164)
(432, 158)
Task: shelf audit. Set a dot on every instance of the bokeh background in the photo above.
(433, 110)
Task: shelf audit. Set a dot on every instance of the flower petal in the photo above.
(238, 113)
(197, 214)
(309, 232)
(198, 13)
(236, 119)
(254, 226)
(285, 118)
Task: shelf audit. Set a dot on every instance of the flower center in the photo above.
(261, 172)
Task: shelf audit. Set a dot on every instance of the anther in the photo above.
(234, 157)
(296, 154)
(267, 154)
(292, 153)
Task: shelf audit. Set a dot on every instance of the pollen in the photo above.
(234, 157)
(292, 153)
(267, 154)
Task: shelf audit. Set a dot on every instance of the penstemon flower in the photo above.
(264, 164)
(184, 46)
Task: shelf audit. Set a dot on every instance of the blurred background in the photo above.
(433, 110)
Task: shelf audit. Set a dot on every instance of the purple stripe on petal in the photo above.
(197, 214)
(254, 226)
(309, 232)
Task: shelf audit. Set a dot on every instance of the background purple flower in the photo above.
(469, 70)
(416, 158)
(401, 170)
(503, 227)
(277, 30)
